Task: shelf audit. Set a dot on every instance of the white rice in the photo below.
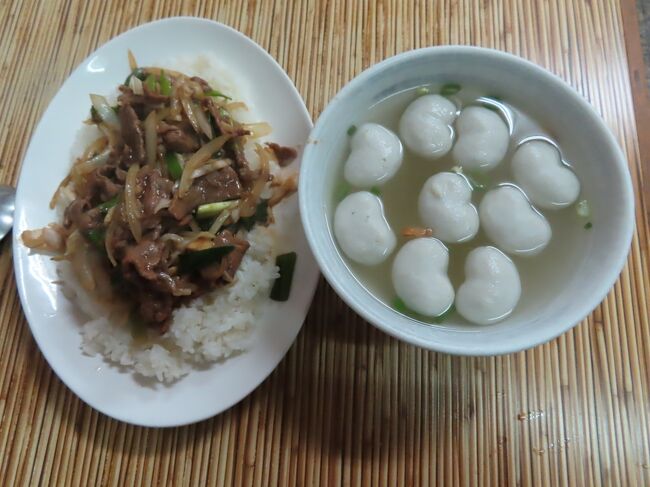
(212, 327)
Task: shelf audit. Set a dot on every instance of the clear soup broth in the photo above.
(540, 275)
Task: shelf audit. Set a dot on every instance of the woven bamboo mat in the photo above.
(349, 405)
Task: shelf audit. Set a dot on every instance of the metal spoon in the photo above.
(7, 207)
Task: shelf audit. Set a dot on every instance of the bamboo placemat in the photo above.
(349, 405)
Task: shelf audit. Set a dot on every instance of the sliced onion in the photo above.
(113, 136)
(110, 231)
(49, 238)
(236, 105)
(105, 111)
(77, 253)
(211, 165)
(248, 204)
(57, 194)
(202, 120)
(131, 203)
(194, 226)
(162, 204)
(151, 137)
(172, 237)
(91, 164)
(258, 129)
(197, 159)
(218, 222)
(95, 148)
(286, 188)
(136, 85)
(189, 113)
(133, 65)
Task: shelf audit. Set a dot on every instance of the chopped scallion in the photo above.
(422, 90)
(150, 83)
(165, 84)
(375, 190)
(173, 161)
(342, 191)
(449, 89)
(215, 93)
(282, 286)
(351, 130)
(210, 210)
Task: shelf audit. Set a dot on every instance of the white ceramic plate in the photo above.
(54, 320)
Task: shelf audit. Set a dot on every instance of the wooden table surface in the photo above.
(349, 405)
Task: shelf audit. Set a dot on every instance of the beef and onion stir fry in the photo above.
(162, 201)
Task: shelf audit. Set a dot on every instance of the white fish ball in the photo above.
(425, 126)
(445, 205)
(492, 287)
(420, 276)
(483, 139)
(361, 229)
(375, 156)
(537, 167)
(511, 222)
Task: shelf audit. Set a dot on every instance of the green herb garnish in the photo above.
(351, 130)
(282, 286)
(588, 225)
(422, 90)
(375, 190)
(449, 89)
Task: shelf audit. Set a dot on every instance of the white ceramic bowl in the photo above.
(577, 128)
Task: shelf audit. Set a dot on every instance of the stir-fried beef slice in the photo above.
(223, 120)
(154, 98)
(284, 155)
(178, 137)
(156, 309)
(144, 258)
(152, 189)
(105, 182)
(142, 104)
(226, 268)
(241, 163)
(221, 185)
(132, 133)
(119, 241)
(82, 215)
